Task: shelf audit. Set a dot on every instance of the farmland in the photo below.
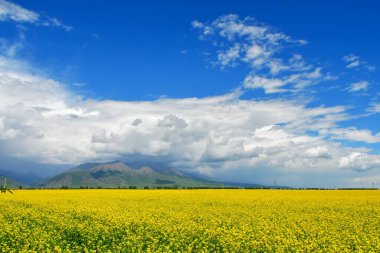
(190, 221)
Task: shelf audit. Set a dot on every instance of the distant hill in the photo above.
(28, 178)
(118, 174)
(11, 183)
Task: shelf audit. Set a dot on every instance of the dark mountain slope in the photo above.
(117, 174)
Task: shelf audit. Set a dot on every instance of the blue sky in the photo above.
(224, 89)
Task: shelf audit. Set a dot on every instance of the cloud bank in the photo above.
(214, 136)
(222, 137)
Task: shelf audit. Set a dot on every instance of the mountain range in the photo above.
(22, 179)
(117, 174)
(11, 183)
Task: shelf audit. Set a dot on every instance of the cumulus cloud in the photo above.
(12, 12)
(222, 137)
(353, 62)
(353, 134)
(228, 58)
(360, 161)
(261, 48)
(318, 152)
(136, 122)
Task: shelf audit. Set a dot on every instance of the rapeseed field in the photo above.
(190, 221)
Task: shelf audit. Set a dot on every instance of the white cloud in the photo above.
(258, 42)
(358, 86)
(12, 12)
(273, 85)
(196, 24)
(318, 152)
(353, 61)
(223, 137)
(253, 52)
(294, 64)
(56, 22)
(10, 49)
(229, 57)
(360, 161)
(293, 82)
(354, 134)
(375, 108)
(261, 47)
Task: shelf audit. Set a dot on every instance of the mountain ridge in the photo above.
(117, 174)
(23, 179)
(11, 182)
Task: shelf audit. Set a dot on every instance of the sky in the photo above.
(244, 91)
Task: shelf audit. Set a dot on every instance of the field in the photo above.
(190, 221)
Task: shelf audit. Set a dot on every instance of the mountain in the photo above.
(11, 183)
(28, 178)
(118, 174)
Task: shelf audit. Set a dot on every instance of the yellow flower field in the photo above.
(190, 221)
